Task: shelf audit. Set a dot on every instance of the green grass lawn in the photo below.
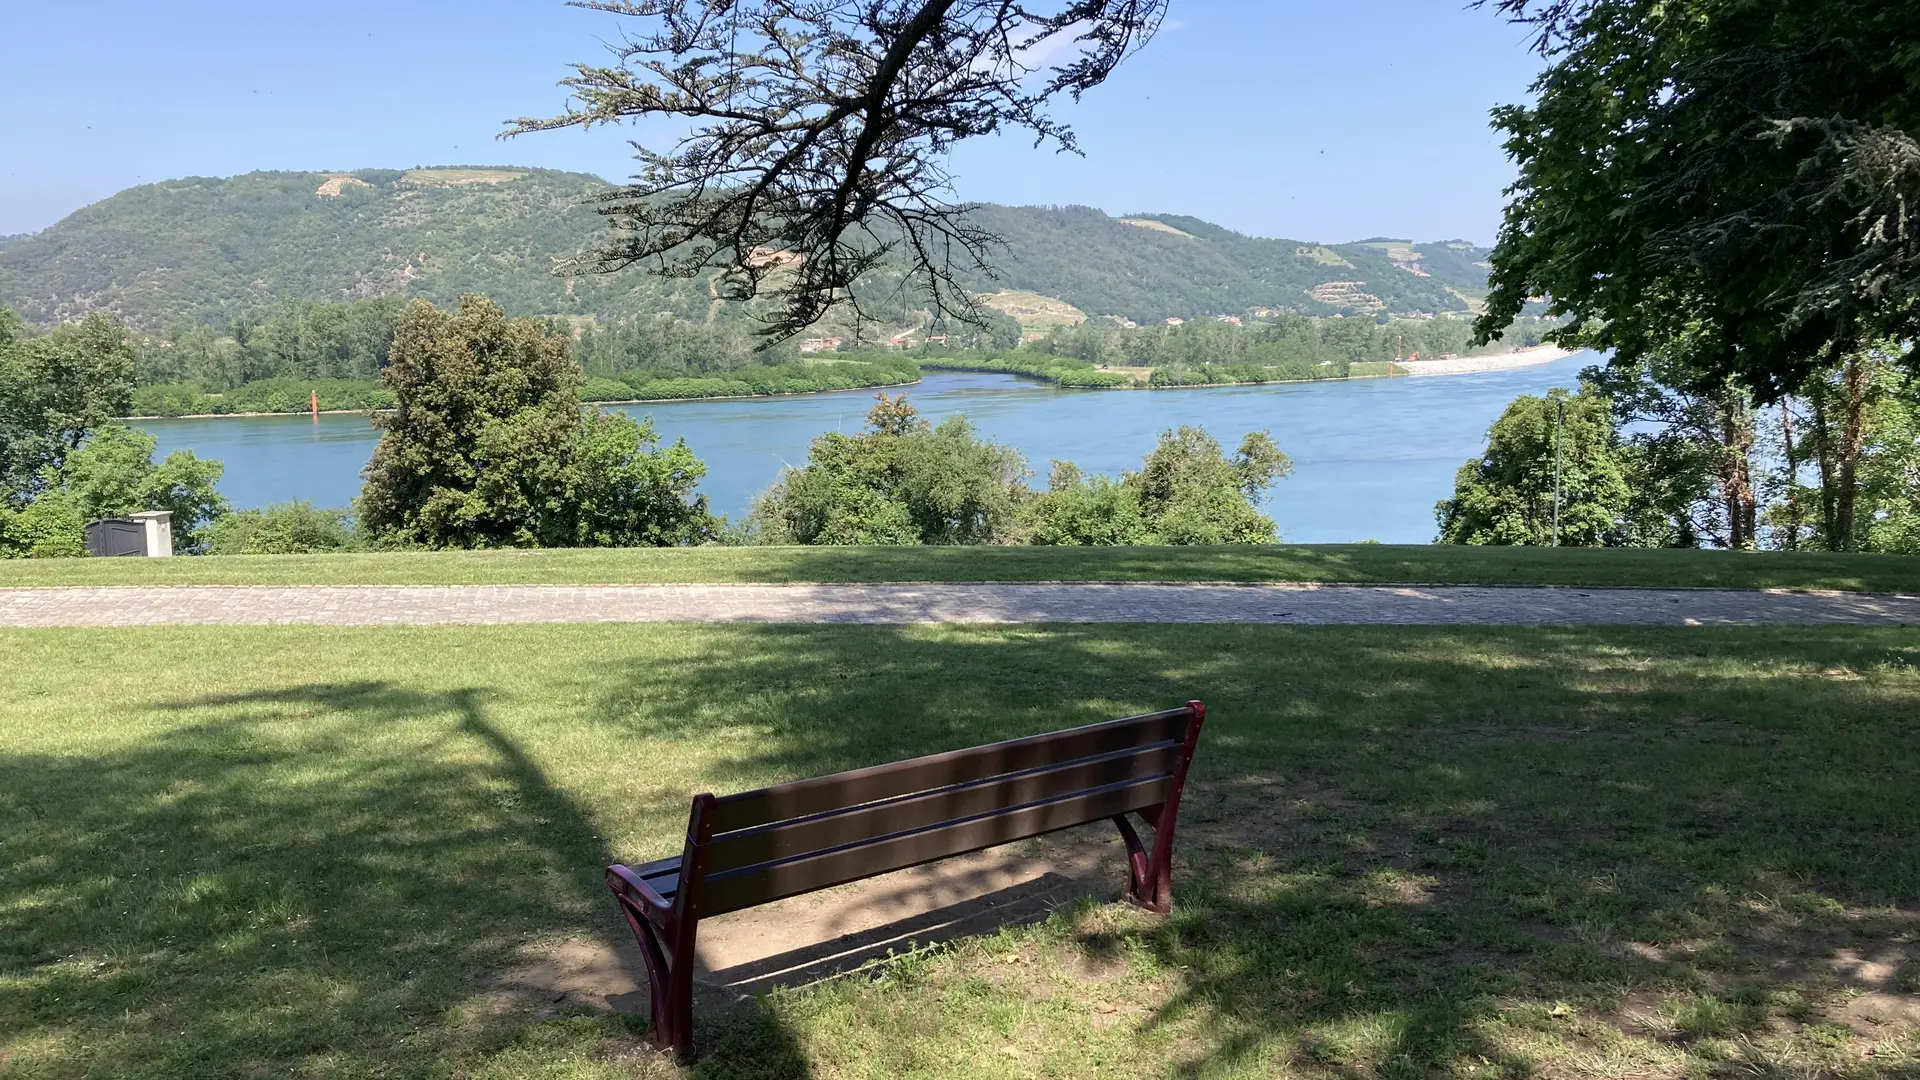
(1408, 852)
(1351, 563)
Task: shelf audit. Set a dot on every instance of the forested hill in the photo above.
(1157, 266)
(199, 248)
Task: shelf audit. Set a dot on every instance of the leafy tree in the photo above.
(1849, 448)
(1194, 494)
(1692, 453)
(112, 475)
(55, 390)
(901, 481)
(617, 487)
(818, 129)
(1186, 492)
(1730, 183)
(488, 446)
(1506, 495)
(1002, 331)
(1890, 472)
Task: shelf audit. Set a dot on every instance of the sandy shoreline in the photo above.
(1467, 365)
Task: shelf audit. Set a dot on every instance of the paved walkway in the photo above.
(384, 605)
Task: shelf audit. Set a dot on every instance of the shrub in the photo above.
(172, 399)
(50, 527)
(289, 528)
(601, 389)
(1186, 492)
(901, 481)
(1076, 510)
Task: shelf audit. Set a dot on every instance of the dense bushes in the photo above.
(267, 396)
(796, 378)
(62, 460)
(289, 528)
(1063, 371)
(113, 474)
(901, 481)
(1186, 492)
(904, 481)
(298, 340)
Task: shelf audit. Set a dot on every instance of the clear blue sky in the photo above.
(1308, 120)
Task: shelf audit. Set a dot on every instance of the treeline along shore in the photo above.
(329, 357)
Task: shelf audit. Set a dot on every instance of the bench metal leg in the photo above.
(666, 935)
(669, 985)
(1150, 872)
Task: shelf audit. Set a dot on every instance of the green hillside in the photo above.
(1122, 266)
(200, 248)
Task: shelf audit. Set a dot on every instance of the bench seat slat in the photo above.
(802, 798)
(892, 816)
(753, 885)
(661, 875)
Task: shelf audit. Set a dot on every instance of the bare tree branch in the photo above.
(817, 134)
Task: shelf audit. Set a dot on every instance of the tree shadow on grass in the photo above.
(1403, 851)
(1419, 851)
(324, 879)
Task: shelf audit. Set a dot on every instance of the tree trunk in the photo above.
(1823, 461)
(1736, 471)
(1792, 509)
(1852, 440)
(1840, 415)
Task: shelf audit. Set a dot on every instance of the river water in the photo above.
(1371, 456)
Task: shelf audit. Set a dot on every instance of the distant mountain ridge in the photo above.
(216, 248)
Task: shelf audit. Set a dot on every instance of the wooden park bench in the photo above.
(755, 847)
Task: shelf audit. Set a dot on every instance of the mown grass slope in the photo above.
(1369, 564)
(1407, 852)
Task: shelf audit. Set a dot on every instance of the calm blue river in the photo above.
(1371, 457)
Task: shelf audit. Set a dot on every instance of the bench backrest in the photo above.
(811, 834)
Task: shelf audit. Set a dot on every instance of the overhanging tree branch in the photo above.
(815, 134)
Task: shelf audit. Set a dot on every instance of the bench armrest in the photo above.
(624, 881)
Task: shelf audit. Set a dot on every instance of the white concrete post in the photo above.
(159, 527)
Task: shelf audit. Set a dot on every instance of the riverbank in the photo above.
(606, 401)
(1081, 376)
(1473, 365)
(295, 397)
(1091, 379)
